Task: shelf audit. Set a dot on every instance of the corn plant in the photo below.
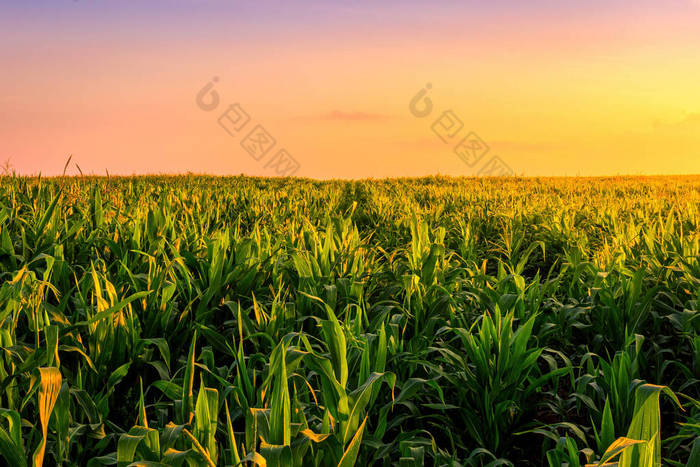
(199, 321)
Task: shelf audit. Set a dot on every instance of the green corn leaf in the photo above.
(235, 457)
(47, 214)
(52, 346)
(335, 338)
(115, 308)
(353, 449)
(280, 413)
(126, 448)
(206, 418)
(694, 458)
(170, 434)
(188, 383)
(646, 426)
(171, 390)
(97, 210)
(277, 456)
(199, 448)
(572, 449)
(142, 419)
(14, 424)
(163, 348)
(11, 448)
(607, 430)
(619, 446)
(87, 404)
(359, 398)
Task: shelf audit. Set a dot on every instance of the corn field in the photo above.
(200, 321)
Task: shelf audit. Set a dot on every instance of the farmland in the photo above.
(434, 321)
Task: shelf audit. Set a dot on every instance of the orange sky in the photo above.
(552, 87)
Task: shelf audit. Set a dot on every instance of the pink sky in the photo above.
(552, 87)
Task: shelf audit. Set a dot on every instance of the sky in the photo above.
(350, 89)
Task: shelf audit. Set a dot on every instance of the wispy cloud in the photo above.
(692, 117)
(524, 146)
(340, 115)
(689, 119)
